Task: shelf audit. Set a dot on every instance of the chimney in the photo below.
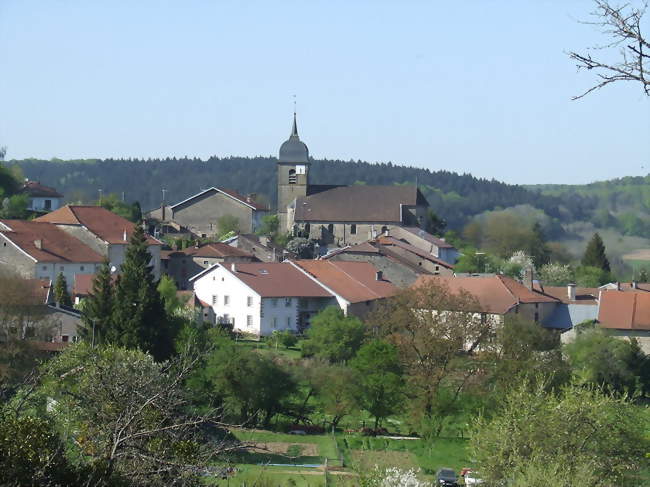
(528, 278)
(38, 244)
(379, 276)
(251, 197)
(233, 267)
(162, 217)
(571, 291)
(124, 235)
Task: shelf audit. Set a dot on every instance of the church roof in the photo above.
(370, 204)
(293, 149)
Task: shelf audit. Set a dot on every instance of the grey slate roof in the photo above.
(294, 150)
(371, 204)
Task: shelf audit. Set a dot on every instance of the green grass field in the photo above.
(345, 455)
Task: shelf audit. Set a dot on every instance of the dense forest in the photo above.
(455, 197)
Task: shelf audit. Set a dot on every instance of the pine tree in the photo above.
(98, 308)
(61, 294)
(595, 254)
(139, 319)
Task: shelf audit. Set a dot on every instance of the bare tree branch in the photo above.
(622, 24)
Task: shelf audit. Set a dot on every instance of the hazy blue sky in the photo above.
(474, 86)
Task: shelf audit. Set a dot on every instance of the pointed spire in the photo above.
(294, 130)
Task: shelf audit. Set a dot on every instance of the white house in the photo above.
(259, 298)
(41, 198)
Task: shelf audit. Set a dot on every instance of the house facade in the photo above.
(40, 250)
(41, 198)
(260, 298)
(200, 213)
(426, 242)
(180, 265)
(103, 231)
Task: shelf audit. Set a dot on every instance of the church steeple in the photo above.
(293, 173)
(293, 149)
(294, 130)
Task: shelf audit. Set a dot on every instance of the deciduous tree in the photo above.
(333, 336)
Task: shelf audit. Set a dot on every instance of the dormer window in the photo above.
(292, 176)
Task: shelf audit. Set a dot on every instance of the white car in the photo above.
(472, 478)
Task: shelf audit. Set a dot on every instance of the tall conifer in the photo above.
(139, 318)
(98, 308)
(61, 294)
(595, 254)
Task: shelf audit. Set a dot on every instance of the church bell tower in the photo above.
(293, 173)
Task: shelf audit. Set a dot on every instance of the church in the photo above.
(340, 215)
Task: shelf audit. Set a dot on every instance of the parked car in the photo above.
(446, 476)
(472, 478)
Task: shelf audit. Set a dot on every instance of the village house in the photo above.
(182, 264)
(497, 296)
(41, 198)
(575, 305)
(261, 248)
(103, 231)
(259, 298)
(426, 242)
(339, 215)
(357, 286)
(400, 262)
(200, 213)
(626, 314)
(41, 250)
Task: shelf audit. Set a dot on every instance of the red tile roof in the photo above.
(214, 250)
(494, 294)
(36, 189)
(584, 295)
(55, 244)
(392, 241)
(624, 310)
(354, 281)
(39, 289)
(104, 223)
(277, 280)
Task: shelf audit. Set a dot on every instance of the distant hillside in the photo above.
(455, 197)
(622, 204)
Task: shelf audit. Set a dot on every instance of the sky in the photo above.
(478, 86)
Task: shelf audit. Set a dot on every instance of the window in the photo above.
(287, 302)
(330, 228)
(65, 338)
(75, 339)
(288, 321)
(48, 204)
(536, 305)
(353, 229)
(81, 268)
(44, 267)
(61, 268)
(205, 262)
(292, 176)
(226, 300)
(4, 244)
(307, 229)
(384, 229)
(536, 316)
(249, 301)
(274, 302)
(275, 322)
(214, 299)
(249, 320)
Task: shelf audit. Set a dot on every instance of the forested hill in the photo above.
(455, 197)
